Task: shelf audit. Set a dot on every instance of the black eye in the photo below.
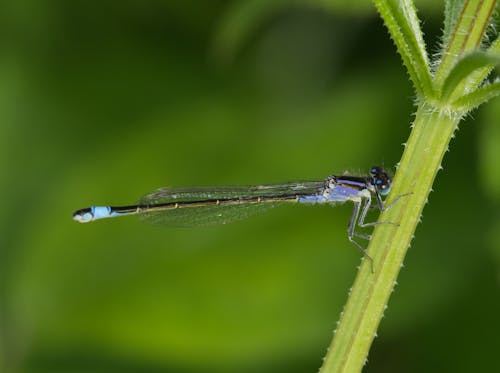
(378, 182)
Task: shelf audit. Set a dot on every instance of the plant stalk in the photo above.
(427, 144)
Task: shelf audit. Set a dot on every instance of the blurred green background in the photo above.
(103, 101)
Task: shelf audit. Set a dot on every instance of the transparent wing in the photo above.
(234, 202)
(205, 215)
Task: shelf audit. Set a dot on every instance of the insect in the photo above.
(200, 206)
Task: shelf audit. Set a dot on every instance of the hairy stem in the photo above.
(429, 139)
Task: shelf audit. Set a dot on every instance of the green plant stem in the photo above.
(433, 129)
(467, 36)
(429, 139)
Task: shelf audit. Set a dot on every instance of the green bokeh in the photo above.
(101, 102)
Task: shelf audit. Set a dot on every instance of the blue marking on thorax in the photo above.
(318, 198)
(336, 193)
(354, 183)
(342, 193)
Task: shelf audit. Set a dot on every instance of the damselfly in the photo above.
(201, 206)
